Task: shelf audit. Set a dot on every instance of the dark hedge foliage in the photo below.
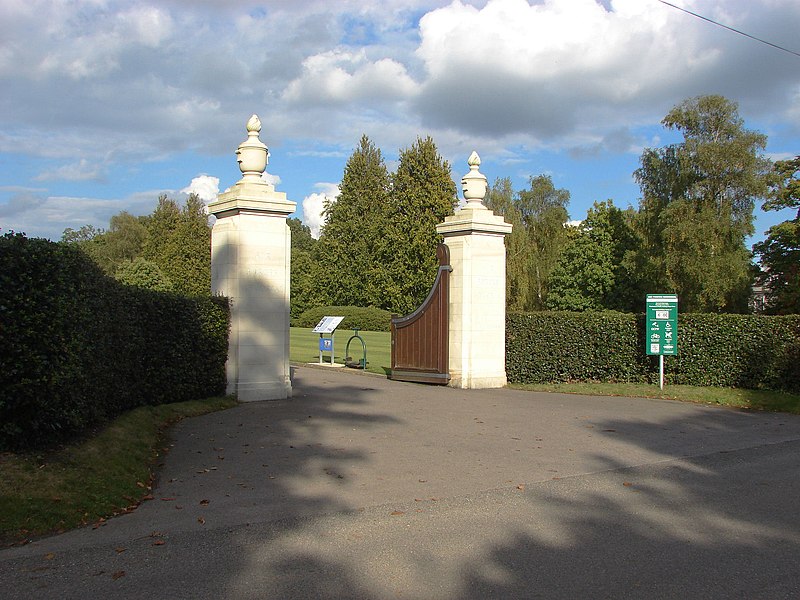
(366, 319)
(79, 348)
(746, 351)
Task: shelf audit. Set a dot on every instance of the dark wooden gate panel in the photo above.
(420, 341)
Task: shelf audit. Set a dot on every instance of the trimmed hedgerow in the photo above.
(366, 319)
(547, 347)
(80, 348)
(747, 351)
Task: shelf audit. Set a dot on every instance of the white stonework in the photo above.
(474, 236)
(250, 264)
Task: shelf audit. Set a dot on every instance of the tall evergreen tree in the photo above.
(697, 205)
(423, 194)
(348, 251)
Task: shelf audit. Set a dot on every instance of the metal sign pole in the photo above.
(661, 371)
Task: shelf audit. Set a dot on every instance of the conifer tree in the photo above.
(423, 194)
(350, 266)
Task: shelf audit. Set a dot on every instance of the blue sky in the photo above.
(108, 103)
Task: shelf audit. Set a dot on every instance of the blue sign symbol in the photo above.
(325, 344)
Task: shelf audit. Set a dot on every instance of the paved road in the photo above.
(360, 487)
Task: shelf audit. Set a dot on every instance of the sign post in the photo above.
(327, 325)
(662, 329)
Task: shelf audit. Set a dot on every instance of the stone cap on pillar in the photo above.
(474, 217)
(252, 193)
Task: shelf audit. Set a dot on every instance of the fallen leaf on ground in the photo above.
(159, 543)
(627, 484)
(117, 575)
(201, 520)
(203, 502)
(521, 486)
(120, 550)
(396, 513)
(49, 556)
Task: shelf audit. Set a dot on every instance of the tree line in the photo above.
(377, 245)
(168, 250)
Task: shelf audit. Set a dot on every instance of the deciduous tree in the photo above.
(780, 251)
(697, 205)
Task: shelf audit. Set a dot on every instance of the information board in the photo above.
(328, 324)
(662, 324)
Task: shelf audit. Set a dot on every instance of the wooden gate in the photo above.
(420, 341)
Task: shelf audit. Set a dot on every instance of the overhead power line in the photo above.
(747, 35)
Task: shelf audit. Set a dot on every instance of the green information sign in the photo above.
(662, 324)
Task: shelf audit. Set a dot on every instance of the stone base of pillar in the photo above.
(473, 382)
(258, 391)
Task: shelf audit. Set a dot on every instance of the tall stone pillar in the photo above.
(250, 264)
(475, 237)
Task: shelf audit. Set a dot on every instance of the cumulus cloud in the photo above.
(205, 186)
(270, 178)
(340, 76)
(559, 69)
(314, 204)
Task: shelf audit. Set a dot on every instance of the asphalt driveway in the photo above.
(360, 487)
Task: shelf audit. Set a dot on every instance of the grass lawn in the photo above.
(90, 480)
(733, 397)
(304, 348)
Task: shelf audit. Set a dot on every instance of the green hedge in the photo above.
(80, 348)
(366, 319)
(747, 351)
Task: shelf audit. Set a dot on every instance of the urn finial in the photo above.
(252, 154)
(474, 183)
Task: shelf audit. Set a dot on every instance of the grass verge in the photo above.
(91, 480)
(732, 397)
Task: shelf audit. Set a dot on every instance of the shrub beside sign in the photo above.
(662, 324)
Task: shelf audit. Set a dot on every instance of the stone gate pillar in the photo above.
(475, 237)
(250, 264)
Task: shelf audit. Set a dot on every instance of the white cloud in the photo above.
(205, 186)
(40, 215)
(341, 76)
(565, 67)
(270, 178)
(314, 204)
(83, 170)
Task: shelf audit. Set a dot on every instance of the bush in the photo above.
(747, 351)
(80, 347)
(366, 319)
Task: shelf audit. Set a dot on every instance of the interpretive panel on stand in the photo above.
(328, 324)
